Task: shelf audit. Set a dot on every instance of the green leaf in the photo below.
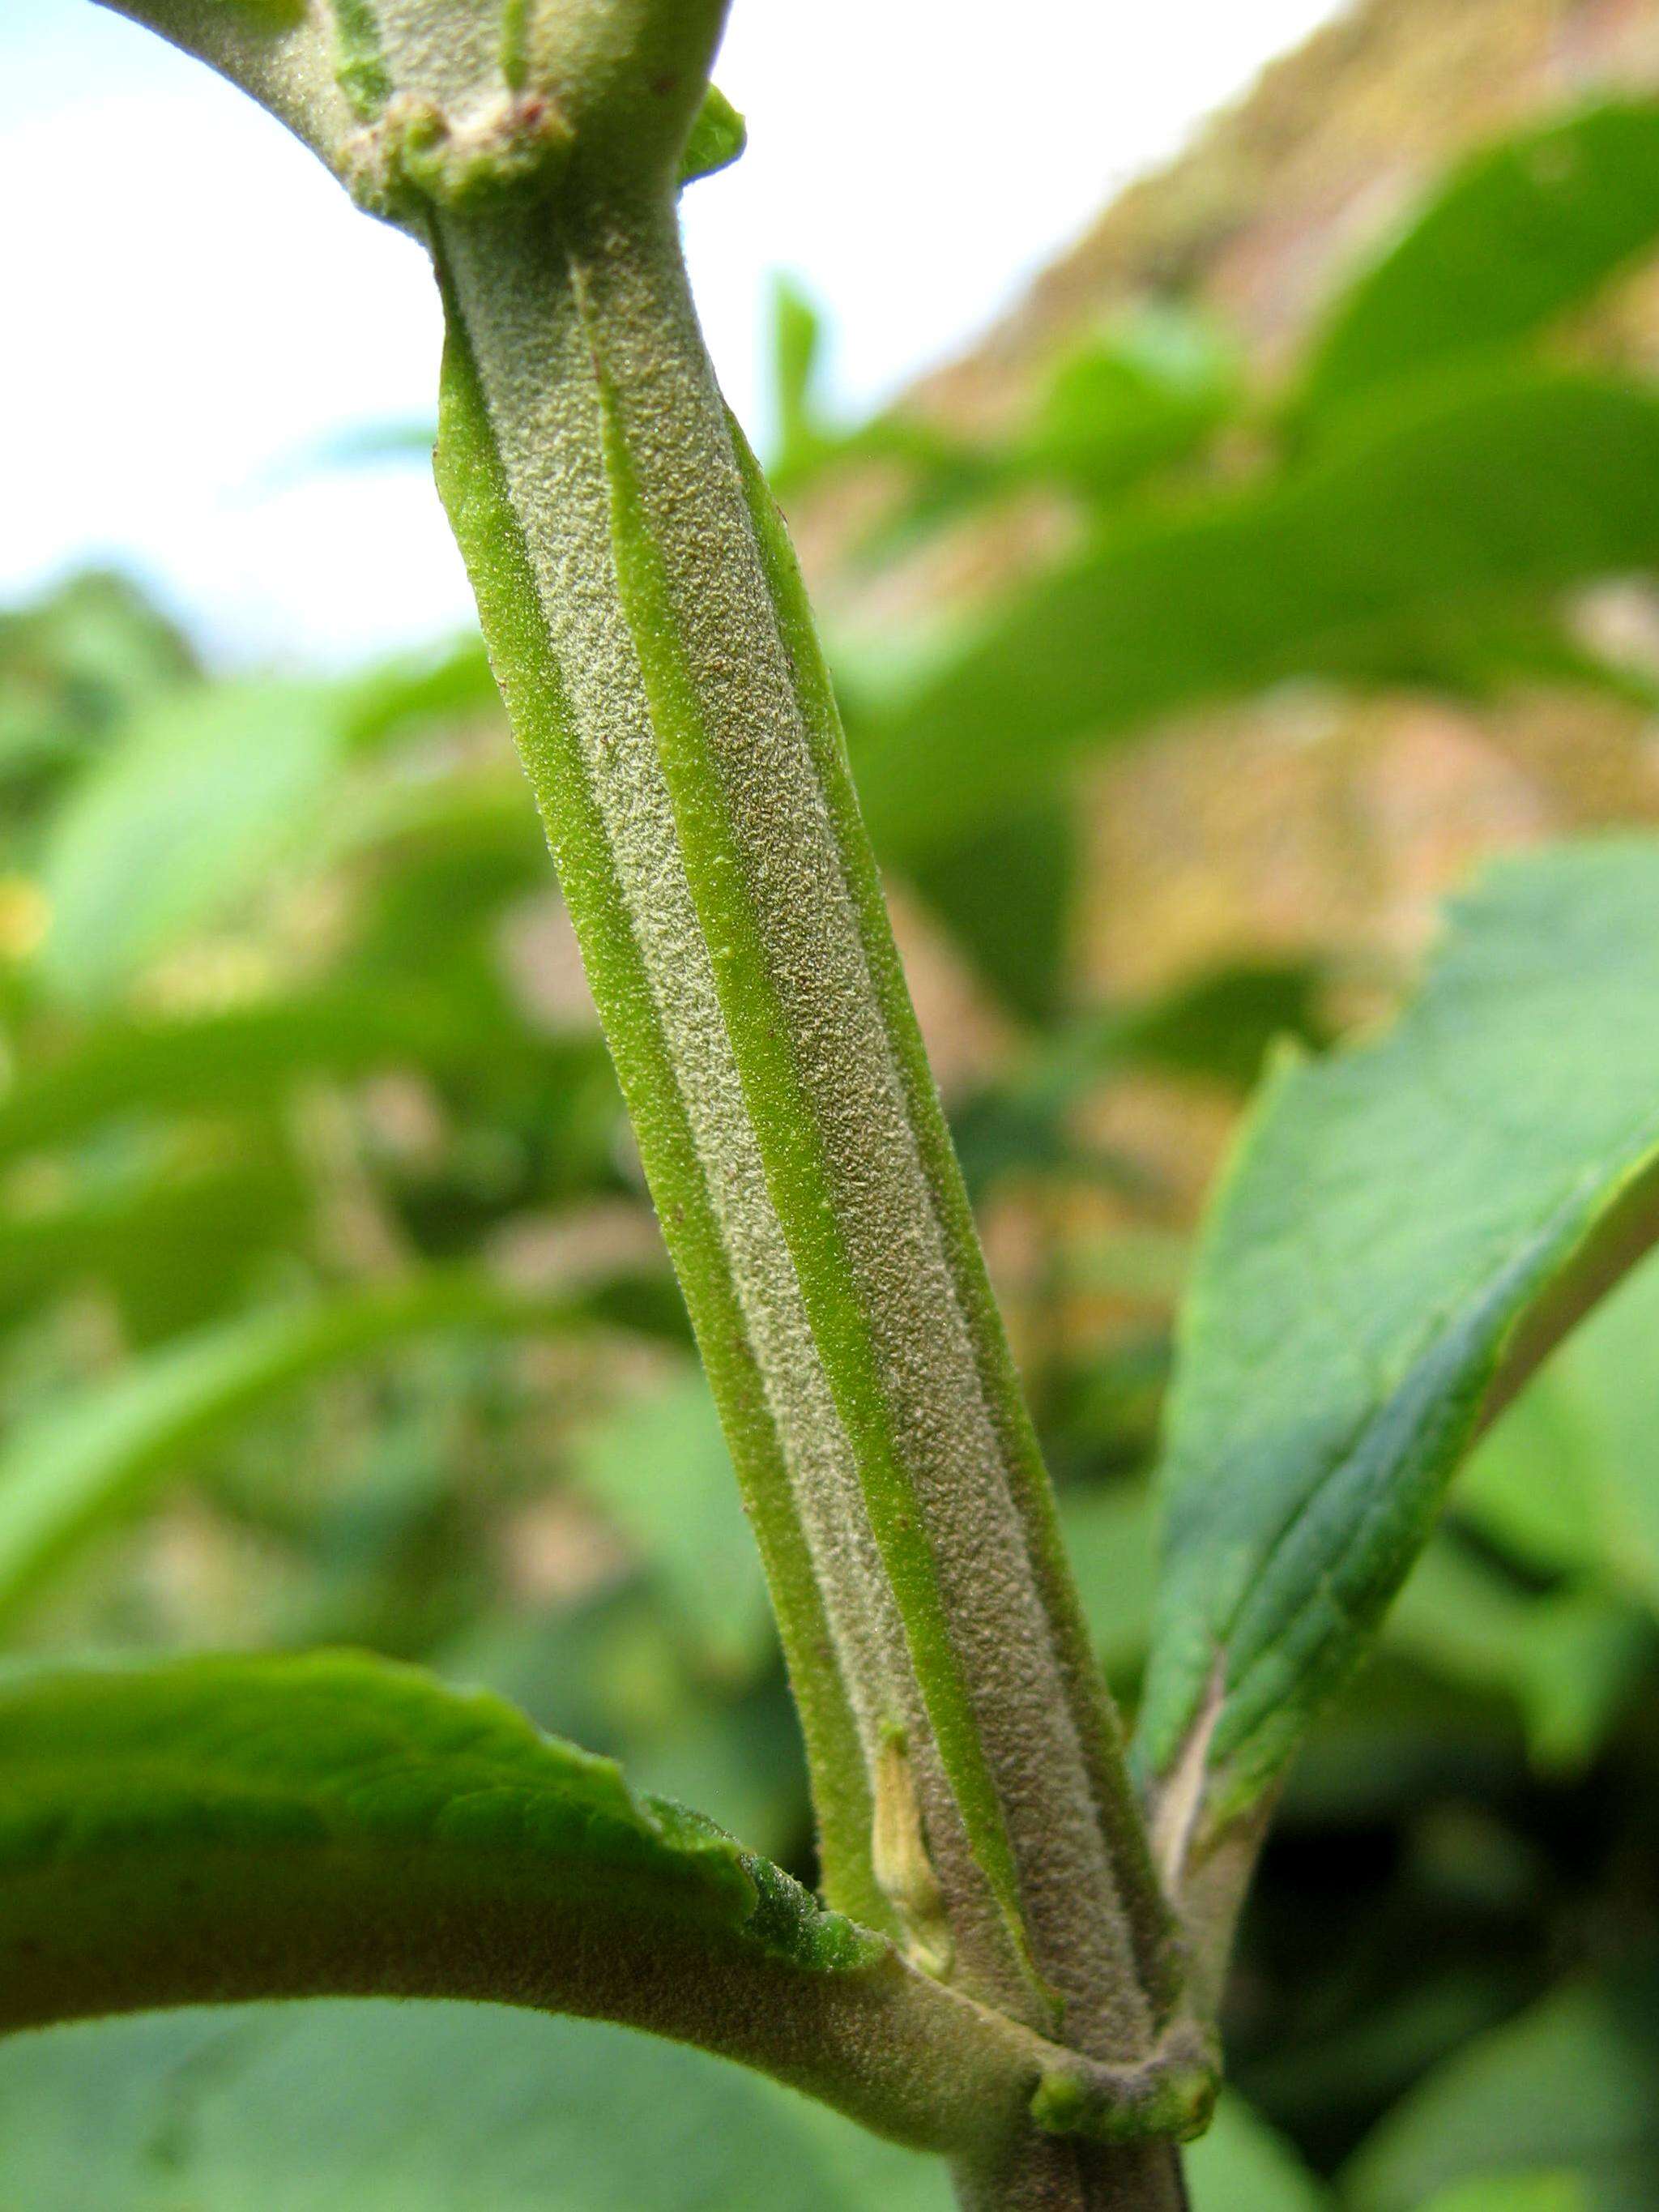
(1006, 895)
(380, 2107)
(1406, 1228)
(612, 1669)
(269, 14)
(1520, 232)
(1447, 510)
(1568, 1481)
(1518, 2192)
(283, 1795)
(203, 790)
(369, 2106)
(945, 471)
(1130, 399)
(440, 858)
(1109, 1534)
(1528, 1486)
(1569, 1658)
(801, 437)
(661, 1468)
(236, 1057)
(402, 697)
(1566, 2088)
(220, 1830)
(718, 136)
(1242, 2166)
(1220, 1025)
(92, 1458)
(75, 663)
(1135, 398)
(1217, 1027)
(174, 1244)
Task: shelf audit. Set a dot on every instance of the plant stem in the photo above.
(653, 643)
(656, 655)
(1047, 2174)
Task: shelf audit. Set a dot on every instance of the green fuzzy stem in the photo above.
(1041, 2174)
(657, 659)
(653, 643)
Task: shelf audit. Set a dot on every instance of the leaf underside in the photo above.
(215, 1829)
(1406, 1228)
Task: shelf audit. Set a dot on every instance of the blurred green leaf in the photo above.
(400, 698)
(1518, 233)
(1222, 1024)
(244, 1055)
(465, 2108)
(660, 1468)
(1111, 1541)
(1397, 1218)
(1476, 654)
(1217, 1026)
(1569, 1658)
(84, 1460)
(801, 438)
(75, 663)
(1567, 2087)
(1454, 506)
(614, 1669)
(1143, 392)
(379, 2108)
(1102, 1404)
(202, 793)
(1006, 895)
(1528, 1488)
(940, 468)
(1340, 2065)
(1521, 2192)
(173, 1241)
(1004, 1132)
(436, 861)
(1242, 2166)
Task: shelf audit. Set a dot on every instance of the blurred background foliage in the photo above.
(1295, 547)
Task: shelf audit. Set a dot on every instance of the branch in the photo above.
(280, 52)
(217, 1831)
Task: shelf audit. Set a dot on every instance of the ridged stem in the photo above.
(653, 642)
(657, 660)
(1037, 2173)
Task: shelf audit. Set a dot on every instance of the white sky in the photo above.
(192, 303)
